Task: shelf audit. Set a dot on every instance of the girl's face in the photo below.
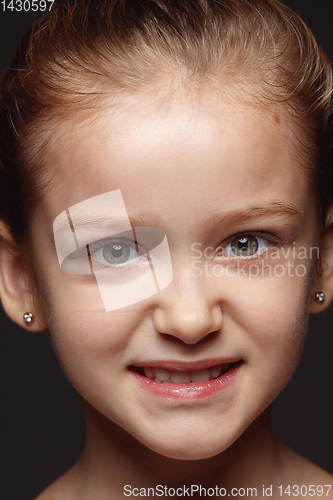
(223, 183)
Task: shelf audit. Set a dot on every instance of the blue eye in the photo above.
(126, 252)
(246, 246)
(115, 253)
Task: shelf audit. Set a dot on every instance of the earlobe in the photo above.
(322, 295)
(16, 293)
(319, 302)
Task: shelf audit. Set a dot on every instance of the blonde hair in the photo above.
(85, 51)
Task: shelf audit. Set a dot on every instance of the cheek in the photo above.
(273, 317)
(91, 345)
(86, 339)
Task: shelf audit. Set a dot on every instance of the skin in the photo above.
(204, 173)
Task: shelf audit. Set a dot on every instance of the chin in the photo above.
(191, 446)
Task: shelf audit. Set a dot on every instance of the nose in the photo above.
(188, 314)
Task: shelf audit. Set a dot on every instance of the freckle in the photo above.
(277, 119)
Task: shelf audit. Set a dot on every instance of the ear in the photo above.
(17, 291)
(324, 276)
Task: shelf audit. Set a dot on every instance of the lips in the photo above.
(186, 381)
(163, 376)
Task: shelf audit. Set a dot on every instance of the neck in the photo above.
(112, 458)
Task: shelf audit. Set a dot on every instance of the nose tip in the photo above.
(188, 326)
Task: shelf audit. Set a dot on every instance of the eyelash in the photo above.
(97, 245)
(269, 237)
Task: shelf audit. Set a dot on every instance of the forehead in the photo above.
(218, 155)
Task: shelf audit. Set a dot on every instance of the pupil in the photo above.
(116, 250)
(116, 253)
(245, 247)
(244, 244)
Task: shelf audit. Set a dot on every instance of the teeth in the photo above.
(160, 375)
(149, 372)
(215, 371)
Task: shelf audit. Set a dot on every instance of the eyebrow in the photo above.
(243, 214)
(276, 208)
(91, 219)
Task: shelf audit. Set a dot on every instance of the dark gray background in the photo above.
(40, 420)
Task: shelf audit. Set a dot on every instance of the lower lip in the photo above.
(193, 390)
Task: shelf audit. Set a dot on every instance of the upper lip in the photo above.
(188, 366)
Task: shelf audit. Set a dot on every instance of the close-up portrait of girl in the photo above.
(166, 211)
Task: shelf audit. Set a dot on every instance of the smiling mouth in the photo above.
(162, 376)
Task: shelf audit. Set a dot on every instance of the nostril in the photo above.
(189, 318)
(190, 338)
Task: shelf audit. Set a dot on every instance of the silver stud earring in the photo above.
(28, 318)
(320, 297)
